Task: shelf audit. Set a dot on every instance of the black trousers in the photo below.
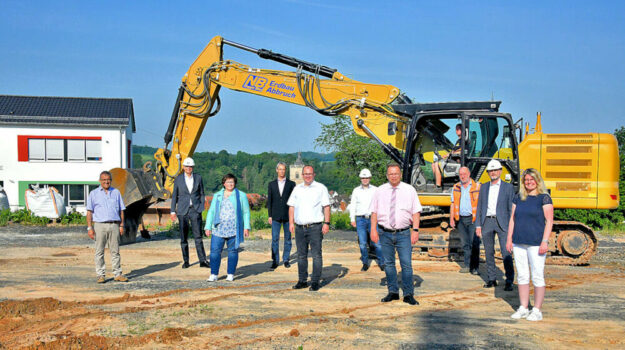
(470, 242)
(305, 237)
(489, 230)
(195, 219)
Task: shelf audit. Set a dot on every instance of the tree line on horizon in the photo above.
(255, 171)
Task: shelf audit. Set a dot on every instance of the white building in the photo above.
(62, 141)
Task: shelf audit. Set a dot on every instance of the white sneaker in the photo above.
(521, 312)
(212, 278)
(230, 278)
(535, 315)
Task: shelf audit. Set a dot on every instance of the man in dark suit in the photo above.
(492, 217)
(187, 203)
(278, 194)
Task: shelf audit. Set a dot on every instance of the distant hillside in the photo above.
(254, 171)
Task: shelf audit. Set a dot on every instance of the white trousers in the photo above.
(526, 257)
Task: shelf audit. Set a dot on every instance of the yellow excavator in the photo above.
(580, 170)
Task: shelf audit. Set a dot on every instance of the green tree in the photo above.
(352, 152)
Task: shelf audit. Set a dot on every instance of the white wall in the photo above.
(114, 145)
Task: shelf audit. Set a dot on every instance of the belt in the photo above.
(466, 216)
(108, 222)
(393, 230)
(363, 216)
(308, 225)
(491, 216)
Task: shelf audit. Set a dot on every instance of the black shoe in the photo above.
(491, 284)
(274, 265)
(365, 267)
(475, 272)
(410, 300)
(300, 285)
(185, 265)
(314, 287)
(390, 297)
(508, 287)
(205, 264)
(287, 264)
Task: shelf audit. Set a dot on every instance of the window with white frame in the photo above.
(37, 149)
(64, 150)
(55, 150)
(75, 150)
(93, 150)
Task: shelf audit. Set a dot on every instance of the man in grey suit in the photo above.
(492, 217)
(187, 203)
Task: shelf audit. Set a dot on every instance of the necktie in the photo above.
(391, 219)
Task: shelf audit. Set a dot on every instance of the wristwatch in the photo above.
(327, 223)
(89, 228)
(415, 229)
(545, 241)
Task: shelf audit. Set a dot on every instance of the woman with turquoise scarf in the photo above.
(228, 220)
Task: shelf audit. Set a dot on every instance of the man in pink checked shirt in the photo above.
(395, 213)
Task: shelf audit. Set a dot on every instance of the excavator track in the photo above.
(571, 243)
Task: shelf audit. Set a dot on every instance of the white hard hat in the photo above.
(493, 165)
(188, 162)
(365, 173)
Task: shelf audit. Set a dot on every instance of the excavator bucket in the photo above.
(139, 189)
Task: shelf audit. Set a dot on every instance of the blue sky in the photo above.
(565, 59)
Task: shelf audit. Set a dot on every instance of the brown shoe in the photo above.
(121, 278)
(101, 279)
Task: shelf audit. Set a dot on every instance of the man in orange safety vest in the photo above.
(464, 196)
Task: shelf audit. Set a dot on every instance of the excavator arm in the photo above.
(318, 87)
(322, 89)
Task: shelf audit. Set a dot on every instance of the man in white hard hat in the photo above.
(360, 215)
(187, 204)
(492, 217)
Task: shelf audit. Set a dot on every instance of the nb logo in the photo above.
(254, 83)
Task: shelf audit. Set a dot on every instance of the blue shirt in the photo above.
(105, 206)
(465, 200)
(529, 219)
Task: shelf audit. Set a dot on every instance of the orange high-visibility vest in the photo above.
(474, 193)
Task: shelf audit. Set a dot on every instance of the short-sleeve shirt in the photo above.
(105, 205)
(308, 202)
(529, 219)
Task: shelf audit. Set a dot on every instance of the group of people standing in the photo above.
(522, 223)
(387, 217)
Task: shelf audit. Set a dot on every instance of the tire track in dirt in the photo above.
(458, 299)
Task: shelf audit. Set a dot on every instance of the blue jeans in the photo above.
(217, 245)
(275, 241)
(399, 241)
(363, 227)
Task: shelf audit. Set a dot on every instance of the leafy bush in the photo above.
(26, 217)
(5, 217)
(259, 219)
(74, 218)
(340, 221)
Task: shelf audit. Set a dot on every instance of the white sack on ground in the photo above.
(45, 201)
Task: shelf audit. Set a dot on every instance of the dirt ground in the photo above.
(49, 300)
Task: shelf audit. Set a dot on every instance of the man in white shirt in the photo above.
(492, 217)
(187, 205)
(309, 220)
(360, 215)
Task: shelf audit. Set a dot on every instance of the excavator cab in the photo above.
(447, 136)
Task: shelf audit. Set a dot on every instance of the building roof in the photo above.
(83, 111)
